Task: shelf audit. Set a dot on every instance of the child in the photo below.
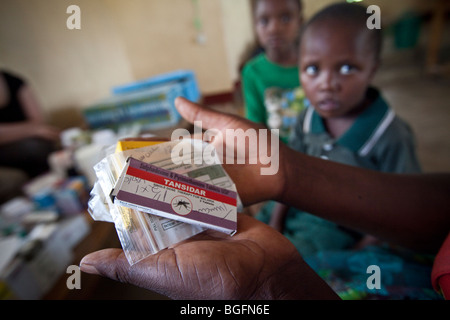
(270, 80)
(348, 121)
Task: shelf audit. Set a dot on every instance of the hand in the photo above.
(256, 263)
(11, 132)
(278, 217)
(252, 185)
(44, 131)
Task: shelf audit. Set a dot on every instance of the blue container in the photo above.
(184, 78)
(149, 103)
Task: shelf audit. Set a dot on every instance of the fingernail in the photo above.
(86, 267)
(179, 102)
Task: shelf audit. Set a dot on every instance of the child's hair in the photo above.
(350, 14)
(298, 2)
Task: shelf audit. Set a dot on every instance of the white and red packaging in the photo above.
(154, 190)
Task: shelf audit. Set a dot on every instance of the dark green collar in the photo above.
(362, 129)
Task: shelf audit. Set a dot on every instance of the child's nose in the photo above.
(274, 26)
(329, 81)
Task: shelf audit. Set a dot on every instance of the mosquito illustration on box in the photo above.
(181, 205)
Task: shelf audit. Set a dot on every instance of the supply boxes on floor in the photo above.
(148, 104)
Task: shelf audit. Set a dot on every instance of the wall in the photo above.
(390, 10)
(238, 32)
(119, 41)
(122, 41)
(66, 68)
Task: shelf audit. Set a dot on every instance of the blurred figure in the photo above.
(271, 86)
(25, 139)
(349, 121)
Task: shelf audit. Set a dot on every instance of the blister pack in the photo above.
(140, 233)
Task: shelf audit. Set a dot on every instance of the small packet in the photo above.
(142, 234)
(164, 193)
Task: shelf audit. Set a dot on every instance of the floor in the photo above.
(422, 100)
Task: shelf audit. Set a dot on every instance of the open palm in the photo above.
(256, 263)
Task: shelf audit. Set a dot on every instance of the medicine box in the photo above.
(148, 188)
(124, 145)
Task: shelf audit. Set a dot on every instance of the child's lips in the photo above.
(275, 41)
(328, 105)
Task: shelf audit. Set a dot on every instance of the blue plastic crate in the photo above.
(185, 78)
(148, 103)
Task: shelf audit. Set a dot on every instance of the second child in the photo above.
(271, 87)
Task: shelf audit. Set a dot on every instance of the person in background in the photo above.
(25, 139)
(271, 87)
(348, 121)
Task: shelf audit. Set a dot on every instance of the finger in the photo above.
(104, 262)
(194, 112)
(112, 264)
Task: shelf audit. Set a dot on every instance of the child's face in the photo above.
(277, 24)
(337, 64)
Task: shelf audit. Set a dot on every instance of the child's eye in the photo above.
(285, 18)
(311, 70)
(346, 69)
(263, 21)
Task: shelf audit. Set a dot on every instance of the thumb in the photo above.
(110, 263)
(194, 112)
(113, 264)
